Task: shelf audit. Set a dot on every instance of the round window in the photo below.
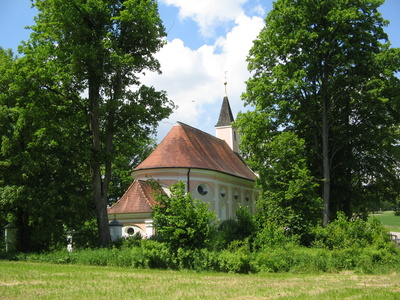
(236, 195)
(130, 231)
(202, 189)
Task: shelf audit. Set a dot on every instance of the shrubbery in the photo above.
(291, 259)
(180, 220)
(342, 245)
(243, 227)
(341, 234)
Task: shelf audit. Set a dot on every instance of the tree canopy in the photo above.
(42, 177)
(79, 74)
(324, 70)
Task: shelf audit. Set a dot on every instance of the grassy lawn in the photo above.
(388, 218)
(21, 280)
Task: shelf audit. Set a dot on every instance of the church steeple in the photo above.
(225, 116)
(224, 129)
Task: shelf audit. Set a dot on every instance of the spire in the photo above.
(225, 116)
(225, 83)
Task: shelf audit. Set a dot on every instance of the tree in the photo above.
(288, 196)
(180, 220)
(89, 53)
(42, 181)
(325, 71)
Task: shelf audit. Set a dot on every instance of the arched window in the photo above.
(247, 197)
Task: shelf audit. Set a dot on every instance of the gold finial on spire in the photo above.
(225, 83)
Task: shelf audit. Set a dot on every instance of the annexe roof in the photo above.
(138, 198)
(188, 147)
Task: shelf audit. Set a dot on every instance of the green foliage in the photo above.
(397, 208)
(341, 234)
(71, 125)
(180, 220)
(85, 236)
(238, 259)
(324, 71)
(234, 261)
(274, 236)
(242, 227)
(42, 178)
(158, 255)
(128, 242)
(288, 194)
(342, 245)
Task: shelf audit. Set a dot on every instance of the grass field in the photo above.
(21, 280)
(388, 218)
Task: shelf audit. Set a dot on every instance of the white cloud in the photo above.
(258, 10)
(208, 13)
(194, 79)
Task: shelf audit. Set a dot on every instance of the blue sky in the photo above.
(207, 40)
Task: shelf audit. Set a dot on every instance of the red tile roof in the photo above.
(188, 147)
(138, 198)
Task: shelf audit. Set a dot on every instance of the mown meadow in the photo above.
(388, 219)
(23, 280)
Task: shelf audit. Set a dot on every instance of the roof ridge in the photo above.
(147, 183)
(136, 193)
(206, 133)
(120, 199)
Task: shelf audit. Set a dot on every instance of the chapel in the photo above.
(210, 166)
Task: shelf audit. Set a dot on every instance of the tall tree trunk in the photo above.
(23, 241)
(110, 131)
(325, 163)
(325, 147)
(99, 197)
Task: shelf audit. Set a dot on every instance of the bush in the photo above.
(119, 257)
(181, 221)
(128, 242)
(237, 261)
(342, 233)
(271, 260)
(55, 257)
(337, 248)
(372, 260)
(158, 255)
(94, 257)
(238, 229)
(274, 236)
(226, 233)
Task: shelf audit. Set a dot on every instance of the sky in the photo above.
(207, 44)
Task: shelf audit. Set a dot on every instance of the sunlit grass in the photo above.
(388, 219)
(21, 280)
